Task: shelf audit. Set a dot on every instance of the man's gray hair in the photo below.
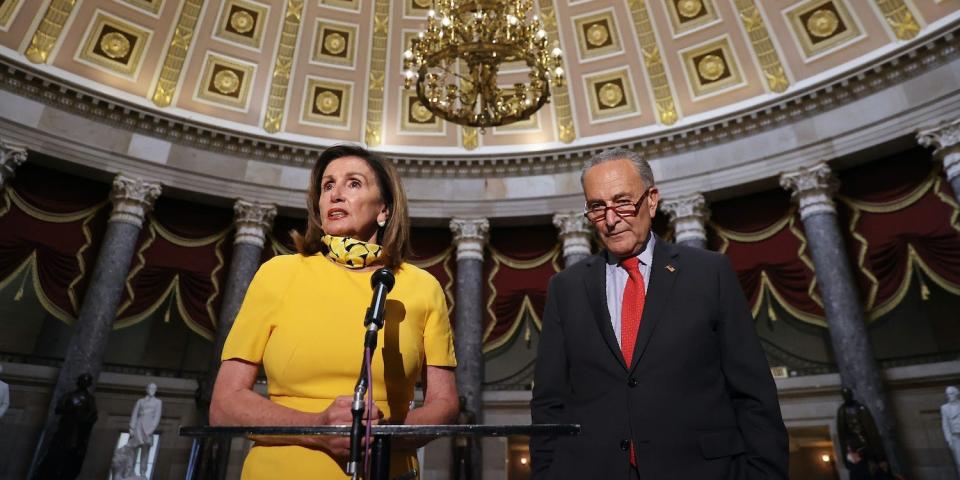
(642, 166)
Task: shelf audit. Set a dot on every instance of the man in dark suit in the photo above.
(651, 348)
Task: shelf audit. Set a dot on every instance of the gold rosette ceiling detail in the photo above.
(455, 63)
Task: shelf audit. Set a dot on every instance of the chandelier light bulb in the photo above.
(556, 52)
(431, 13)
(541, 34)
(407, 54)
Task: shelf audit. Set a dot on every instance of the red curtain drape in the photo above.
(433, 251)
(51, 225)
(180, 262)
(900, 218)
(517, 269)
(763, 236)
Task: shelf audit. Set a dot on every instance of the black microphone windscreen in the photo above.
(382, 276)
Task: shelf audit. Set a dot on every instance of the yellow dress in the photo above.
(302, 319)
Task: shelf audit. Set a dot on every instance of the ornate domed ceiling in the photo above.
(316, 72)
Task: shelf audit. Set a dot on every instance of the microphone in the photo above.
(382, 282)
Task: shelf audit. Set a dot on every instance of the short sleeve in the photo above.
(437, 335)
(257, 316)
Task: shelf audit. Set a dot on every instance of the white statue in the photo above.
(4, 396)
(950, 415)
(143, 422)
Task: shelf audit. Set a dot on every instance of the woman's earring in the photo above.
(382, 223)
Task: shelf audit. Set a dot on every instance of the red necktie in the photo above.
(632, 308)
(630, 313)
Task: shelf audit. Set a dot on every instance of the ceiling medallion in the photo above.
(597, 34)
(455, 62)
(242, 21)
(327, 102)
(689, 8)
(610, 95)
(420, 113)
(335, 43)
(711, 67)
(823, 23)
(115, 45)
(226, 82)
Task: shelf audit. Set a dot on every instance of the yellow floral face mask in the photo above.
(351, 253)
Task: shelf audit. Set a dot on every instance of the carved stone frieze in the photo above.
(688, 215)
(945, 140)
(11, 157)
(132, 199)
(575, 233)
(252, 221)
(812, 188)
(469, 235)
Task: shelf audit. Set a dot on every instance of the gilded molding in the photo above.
(653, 62)
(559, 96)
(177, 53)
(900, 18)
(763, 48)
(470, 138)
(47, 33)
(378, 68)
(281, 71)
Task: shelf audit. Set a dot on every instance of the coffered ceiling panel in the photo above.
(322, 71)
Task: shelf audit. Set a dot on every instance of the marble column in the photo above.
(945, 139)
(575, 232)
(252, 221)
(470, 236)
(813, 189)
(688, 217)
(132, 200)
(11, 157)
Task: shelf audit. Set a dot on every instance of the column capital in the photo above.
(812, 188)
(469, 235)
(945, 140)
(575, 233)
(11, 157)
(688, 216)
(252, 221)
(132, 199)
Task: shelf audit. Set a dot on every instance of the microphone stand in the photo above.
(382, 282)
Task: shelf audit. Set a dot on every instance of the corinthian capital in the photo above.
(252, 220)
(812, 188)
(469, 235)
(574, 233)
(688, 215)
(132, 199)
(945, 140)
(11, 157)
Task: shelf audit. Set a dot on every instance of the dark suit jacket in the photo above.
(698, 401)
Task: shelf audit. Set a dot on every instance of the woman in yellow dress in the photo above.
(302, 320)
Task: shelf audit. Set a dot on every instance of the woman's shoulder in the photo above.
(282, 264)
(418, 275)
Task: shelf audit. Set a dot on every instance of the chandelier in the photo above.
(456, 62)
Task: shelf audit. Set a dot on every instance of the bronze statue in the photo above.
(78, 414)
(461, 464)
(859, 438)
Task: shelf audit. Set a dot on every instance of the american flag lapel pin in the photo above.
(671, 268)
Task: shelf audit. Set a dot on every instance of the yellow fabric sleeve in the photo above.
(256, 318)
(437, 335)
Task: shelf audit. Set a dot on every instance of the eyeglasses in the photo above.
(622, 209)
